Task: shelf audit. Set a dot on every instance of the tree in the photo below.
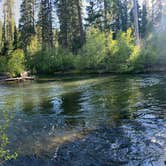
(27, 23)
(156, 13)
(82, 36)
(94, 15)
(124, 15)
(0, 35)
(144, 21)
(71, 35)
(15, 40)
(8, 26)
(63, 12)
(108, 15)
(136, 25)
(45, 23)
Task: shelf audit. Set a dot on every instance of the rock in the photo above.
(24, 74)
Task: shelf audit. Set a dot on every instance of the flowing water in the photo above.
(90, 120)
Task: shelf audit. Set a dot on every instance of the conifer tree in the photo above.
(45, 23)
(71, 35)
(144, 21)
(15, 39)
(8, 26)
(27, 23)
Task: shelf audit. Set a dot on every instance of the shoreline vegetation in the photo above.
(112, 37)
(48, 77)
(120, 56)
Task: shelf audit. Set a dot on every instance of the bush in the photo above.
(113, 56)
(151, 55)
(159, 44)
(121, 50)
(93, 53)
(145, 59)
(3, 64)
(16, 63)
(5, 153)
(50, 61)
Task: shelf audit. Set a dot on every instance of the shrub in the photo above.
(151, 55)
(146, 59)
(5, 154)
(159, 44)
(93, 53)
(50, 61)
(121, 50)
(16, 63)
(3, 64)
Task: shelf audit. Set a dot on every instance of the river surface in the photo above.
(86, 121)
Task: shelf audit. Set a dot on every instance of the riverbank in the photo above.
(5, 78)
(100, 73)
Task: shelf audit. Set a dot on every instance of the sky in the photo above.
(16, 9)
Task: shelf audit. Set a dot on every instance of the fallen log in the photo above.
(19, 79)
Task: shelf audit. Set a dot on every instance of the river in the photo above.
(86, 120)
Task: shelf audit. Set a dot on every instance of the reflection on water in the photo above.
(49, 113)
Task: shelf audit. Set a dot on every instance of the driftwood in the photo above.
(19, 79)
(23, 76)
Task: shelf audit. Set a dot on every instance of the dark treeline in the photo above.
(98, 35)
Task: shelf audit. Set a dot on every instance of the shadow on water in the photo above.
(117, 120)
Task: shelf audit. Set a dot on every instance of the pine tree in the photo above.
(71, 35)
(45, 23)
(94, 15)
(157, 9)
(124, 15)
(0, 35)
(15, 40)
(27, 23)
(81, 31)
(8, 26)
(136, 22)
(63, 13)
(144, 21)
(76, 26)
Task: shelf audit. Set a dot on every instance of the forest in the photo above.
(110, 36)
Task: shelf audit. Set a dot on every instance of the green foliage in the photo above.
(121, 50)
(26, 23)
(152, 56)
(145, 59)
(15, 39)
(16, 62)
(100, 53)
(50, 61)
(5, 153)
(3, 64)
(93, 53)
(158, 43)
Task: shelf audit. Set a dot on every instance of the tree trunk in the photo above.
(82, 38)
(105, 15)
(50, 35)
(135, 12)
